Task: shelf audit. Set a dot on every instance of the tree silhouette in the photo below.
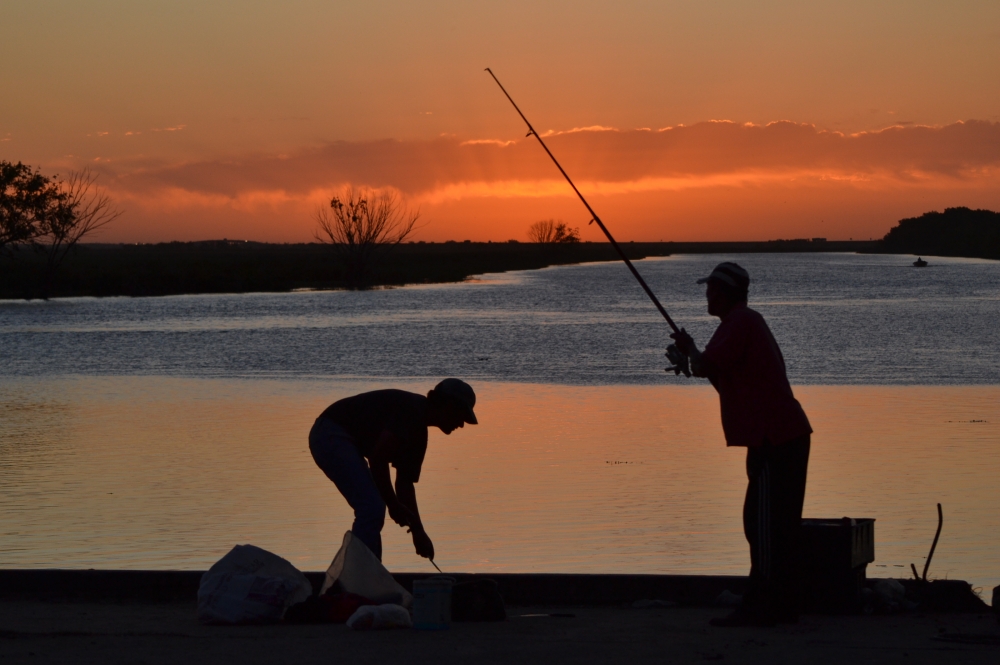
(50, 214)
(82, 209)
(26, 197)
(361, 225)
(954, 232)
(548, 231)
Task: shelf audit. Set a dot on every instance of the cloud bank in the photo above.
(711, 180)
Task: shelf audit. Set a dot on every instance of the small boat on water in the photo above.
(920, 263)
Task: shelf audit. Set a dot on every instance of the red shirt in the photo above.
(754, 393)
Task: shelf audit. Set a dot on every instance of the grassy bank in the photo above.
(239, 267)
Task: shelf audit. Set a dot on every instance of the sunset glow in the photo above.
(678, 121)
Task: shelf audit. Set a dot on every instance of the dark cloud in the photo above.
(958, 151)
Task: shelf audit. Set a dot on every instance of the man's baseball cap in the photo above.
(463, 395)
(729, 273)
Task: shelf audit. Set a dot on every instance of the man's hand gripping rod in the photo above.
(679, 359)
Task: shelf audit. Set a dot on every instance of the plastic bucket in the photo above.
(432, 603)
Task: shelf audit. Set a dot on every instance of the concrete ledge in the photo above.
(516, 588)
(580, 589)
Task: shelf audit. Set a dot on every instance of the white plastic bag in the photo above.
(359, 571)
(380, 617)
(250, 585)
(890, 591)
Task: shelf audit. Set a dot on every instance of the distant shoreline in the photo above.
(227, 266)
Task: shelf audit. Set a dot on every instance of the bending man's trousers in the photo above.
(334, 452)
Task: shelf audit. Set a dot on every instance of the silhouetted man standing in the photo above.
(355, 440)
(760, 413)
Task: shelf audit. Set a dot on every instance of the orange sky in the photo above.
(678, 120)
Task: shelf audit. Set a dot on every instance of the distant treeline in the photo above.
(230, 266)
(227, 266)
(954, 232)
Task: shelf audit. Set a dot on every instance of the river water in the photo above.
(158, 432)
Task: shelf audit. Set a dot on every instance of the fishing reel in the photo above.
(679, 360)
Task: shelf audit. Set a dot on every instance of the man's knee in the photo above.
(371, 513)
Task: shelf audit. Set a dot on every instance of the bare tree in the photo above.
(541, 231)
(82, 209)
(548, 232)
(361, 224)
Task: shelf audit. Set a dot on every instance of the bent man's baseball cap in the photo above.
(462, 393)
(729, 273)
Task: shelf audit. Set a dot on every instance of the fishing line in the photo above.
(679, 360)
(594, 217)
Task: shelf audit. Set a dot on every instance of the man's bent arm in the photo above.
(383, 482)
(700, 365)
(379, 465)
(407, 495)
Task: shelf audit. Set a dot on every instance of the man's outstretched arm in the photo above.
(401, 502)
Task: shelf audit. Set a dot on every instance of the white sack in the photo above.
(380, 617)
(359, 571)
(890, 591)
(250, 585)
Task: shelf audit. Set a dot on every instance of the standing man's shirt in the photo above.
(403, 413)
(755, 397)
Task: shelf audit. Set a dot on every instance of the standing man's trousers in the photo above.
(772, 522)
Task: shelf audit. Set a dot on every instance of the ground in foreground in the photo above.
(39, 632)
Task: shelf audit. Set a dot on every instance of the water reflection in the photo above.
(33, 425)
(153, 472)
(839, 318)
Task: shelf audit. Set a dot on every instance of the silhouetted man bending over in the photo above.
(760, 413)
(357, 438)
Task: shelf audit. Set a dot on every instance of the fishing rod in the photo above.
(595, 218)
